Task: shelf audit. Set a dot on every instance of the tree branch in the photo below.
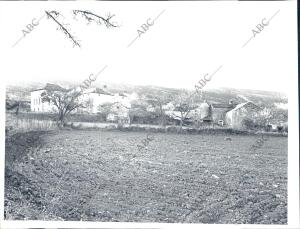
(88, 18)
(61, 26)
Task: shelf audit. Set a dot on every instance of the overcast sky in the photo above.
(187, 41)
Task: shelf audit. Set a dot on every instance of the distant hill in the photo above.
(221, 95)
(265, 98)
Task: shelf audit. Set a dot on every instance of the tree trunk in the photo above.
(61, 121)
(60, 124)
(163, 120)
(181, 124)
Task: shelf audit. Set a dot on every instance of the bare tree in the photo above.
(65, 101)
(185, 103)
(158, 102)
(270, 114)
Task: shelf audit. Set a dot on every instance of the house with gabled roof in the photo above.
(225, 114)
(93, 97)
(236, 117)
(212, 112)
(36, 104)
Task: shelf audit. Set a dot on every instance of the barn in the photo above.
(219, 111)
(238, 116)
(215, 112)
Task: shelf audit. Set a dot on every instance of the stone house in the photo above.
(236, 117)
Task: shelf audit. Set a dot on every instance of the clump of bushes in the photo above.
(111, 127)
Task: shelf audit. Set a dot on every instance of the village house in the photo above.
(36, 104)
(244, 111)
(229, 114)
(222, 114)
(220, 110)
(93, 97)
(119, 113)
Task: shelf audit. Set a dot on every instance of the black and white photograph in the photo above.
(149, 114)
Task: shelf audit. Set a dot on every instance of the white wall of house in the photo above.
(229, 118)
(36, 104)
(119, 113)
(95, 100)
(100, 99)
(235, 117)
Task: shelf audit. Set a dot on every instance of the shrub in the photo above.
(280, 128)
(120, 126)
(111, 127)
(191, 130)
(76, 126)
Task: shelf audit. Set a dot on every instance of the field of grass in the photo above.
(104, 176)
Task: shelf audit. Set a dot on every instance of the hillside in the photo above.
(221, 95)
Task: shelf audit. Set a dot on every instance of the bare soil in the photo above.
(104, 176)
